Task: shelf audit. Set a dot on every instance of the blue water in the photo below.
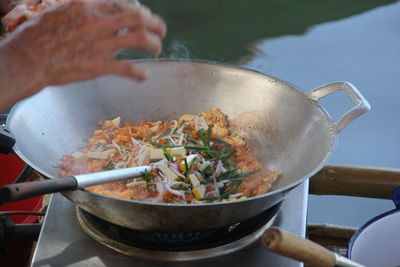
(365, 50)
(309, 43)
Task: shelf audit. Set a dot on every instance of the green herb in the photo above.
(227, 175)
(110, 166)
(167, 155)
(163, 146)
(164, 133)
(139, 137)
(204, 137)
(187, 169)
(231, 164)
(226, 156)
(148, 137)
(190, 139)
(101, 146)
(207, 171)
(244, 174)
(208, 136)
(182, 187)
(221, 196)
(157, 144)
(124, 149)
(148, 179)
(200, 148)
(237, 179)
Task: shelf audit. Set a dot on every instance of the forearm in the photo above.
(17, 78)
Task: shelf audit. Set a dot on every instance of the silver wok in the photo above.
(287, 129)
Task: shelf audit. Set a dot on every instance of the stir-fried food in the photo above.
(195, 160)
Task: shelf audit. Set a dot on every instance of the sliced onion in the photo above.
(236, 195)
(117, 146)
(99, 155)
(175, 170)
(200, 123)
(160, 189)
(134, 141)
(164, 179)
(178, 183)
(175, 192)
(181, 138)
(216, 189)
(135, 183)
(180, 130)
(77, 154)
(218, 168)
(120, 165)
(172, 141)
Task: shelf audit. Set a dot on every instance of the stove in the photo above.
(73, 237)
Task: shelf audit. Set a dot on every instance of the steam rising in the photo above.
(179, 50)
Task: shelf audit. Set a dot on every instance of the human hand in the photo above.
(79, 40)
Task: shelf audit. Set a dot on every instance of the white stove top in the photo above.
(62, 242)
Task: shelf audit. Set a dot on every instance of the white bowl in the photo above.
(377, 242)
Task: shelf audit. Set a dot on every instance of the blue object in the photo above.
(396, 197)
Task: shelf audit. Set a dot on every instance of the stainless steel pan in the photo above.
(287, 128)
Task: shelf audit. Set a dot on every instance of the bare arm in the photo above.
(73, 42)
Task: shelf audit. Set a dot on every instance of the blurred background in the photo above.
(308, 43)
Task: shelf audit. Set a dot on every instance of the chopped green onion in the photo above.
(222, 196)
(167, 155)
(164, 133)
(244, 174)
(148, 178)
(187, 169)
(124, 149)
(197, 147)
(148, 137)
(227, 175)
(101, 146)
(110, 166)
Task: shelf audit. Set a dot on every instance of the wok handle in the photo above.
(7, 140)
(295, 247)
(361, 104)
(20, 191)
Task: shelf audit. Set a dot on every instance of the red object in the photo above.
(10, 168)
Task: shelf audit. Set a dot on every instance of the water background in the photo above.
(309, 43)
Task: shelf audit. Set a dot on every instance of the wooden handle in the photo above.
(352, 180)
(295, 247)
(20, 191)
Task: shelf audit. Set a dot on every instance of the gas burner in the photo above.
(183, 246)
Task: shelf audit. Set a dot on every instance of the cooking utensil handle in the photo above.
(361, 104)
(20, 191)
(94, 178)
(7, 140)
(295, 247)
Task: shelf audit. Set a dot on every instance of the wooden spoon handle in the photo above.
(295, 247)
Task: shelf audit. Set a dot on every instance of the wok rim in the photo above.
(282, 190)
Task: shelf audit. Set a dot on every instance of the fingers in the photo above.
(139, 39)
(127, 69)
(133, 18)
